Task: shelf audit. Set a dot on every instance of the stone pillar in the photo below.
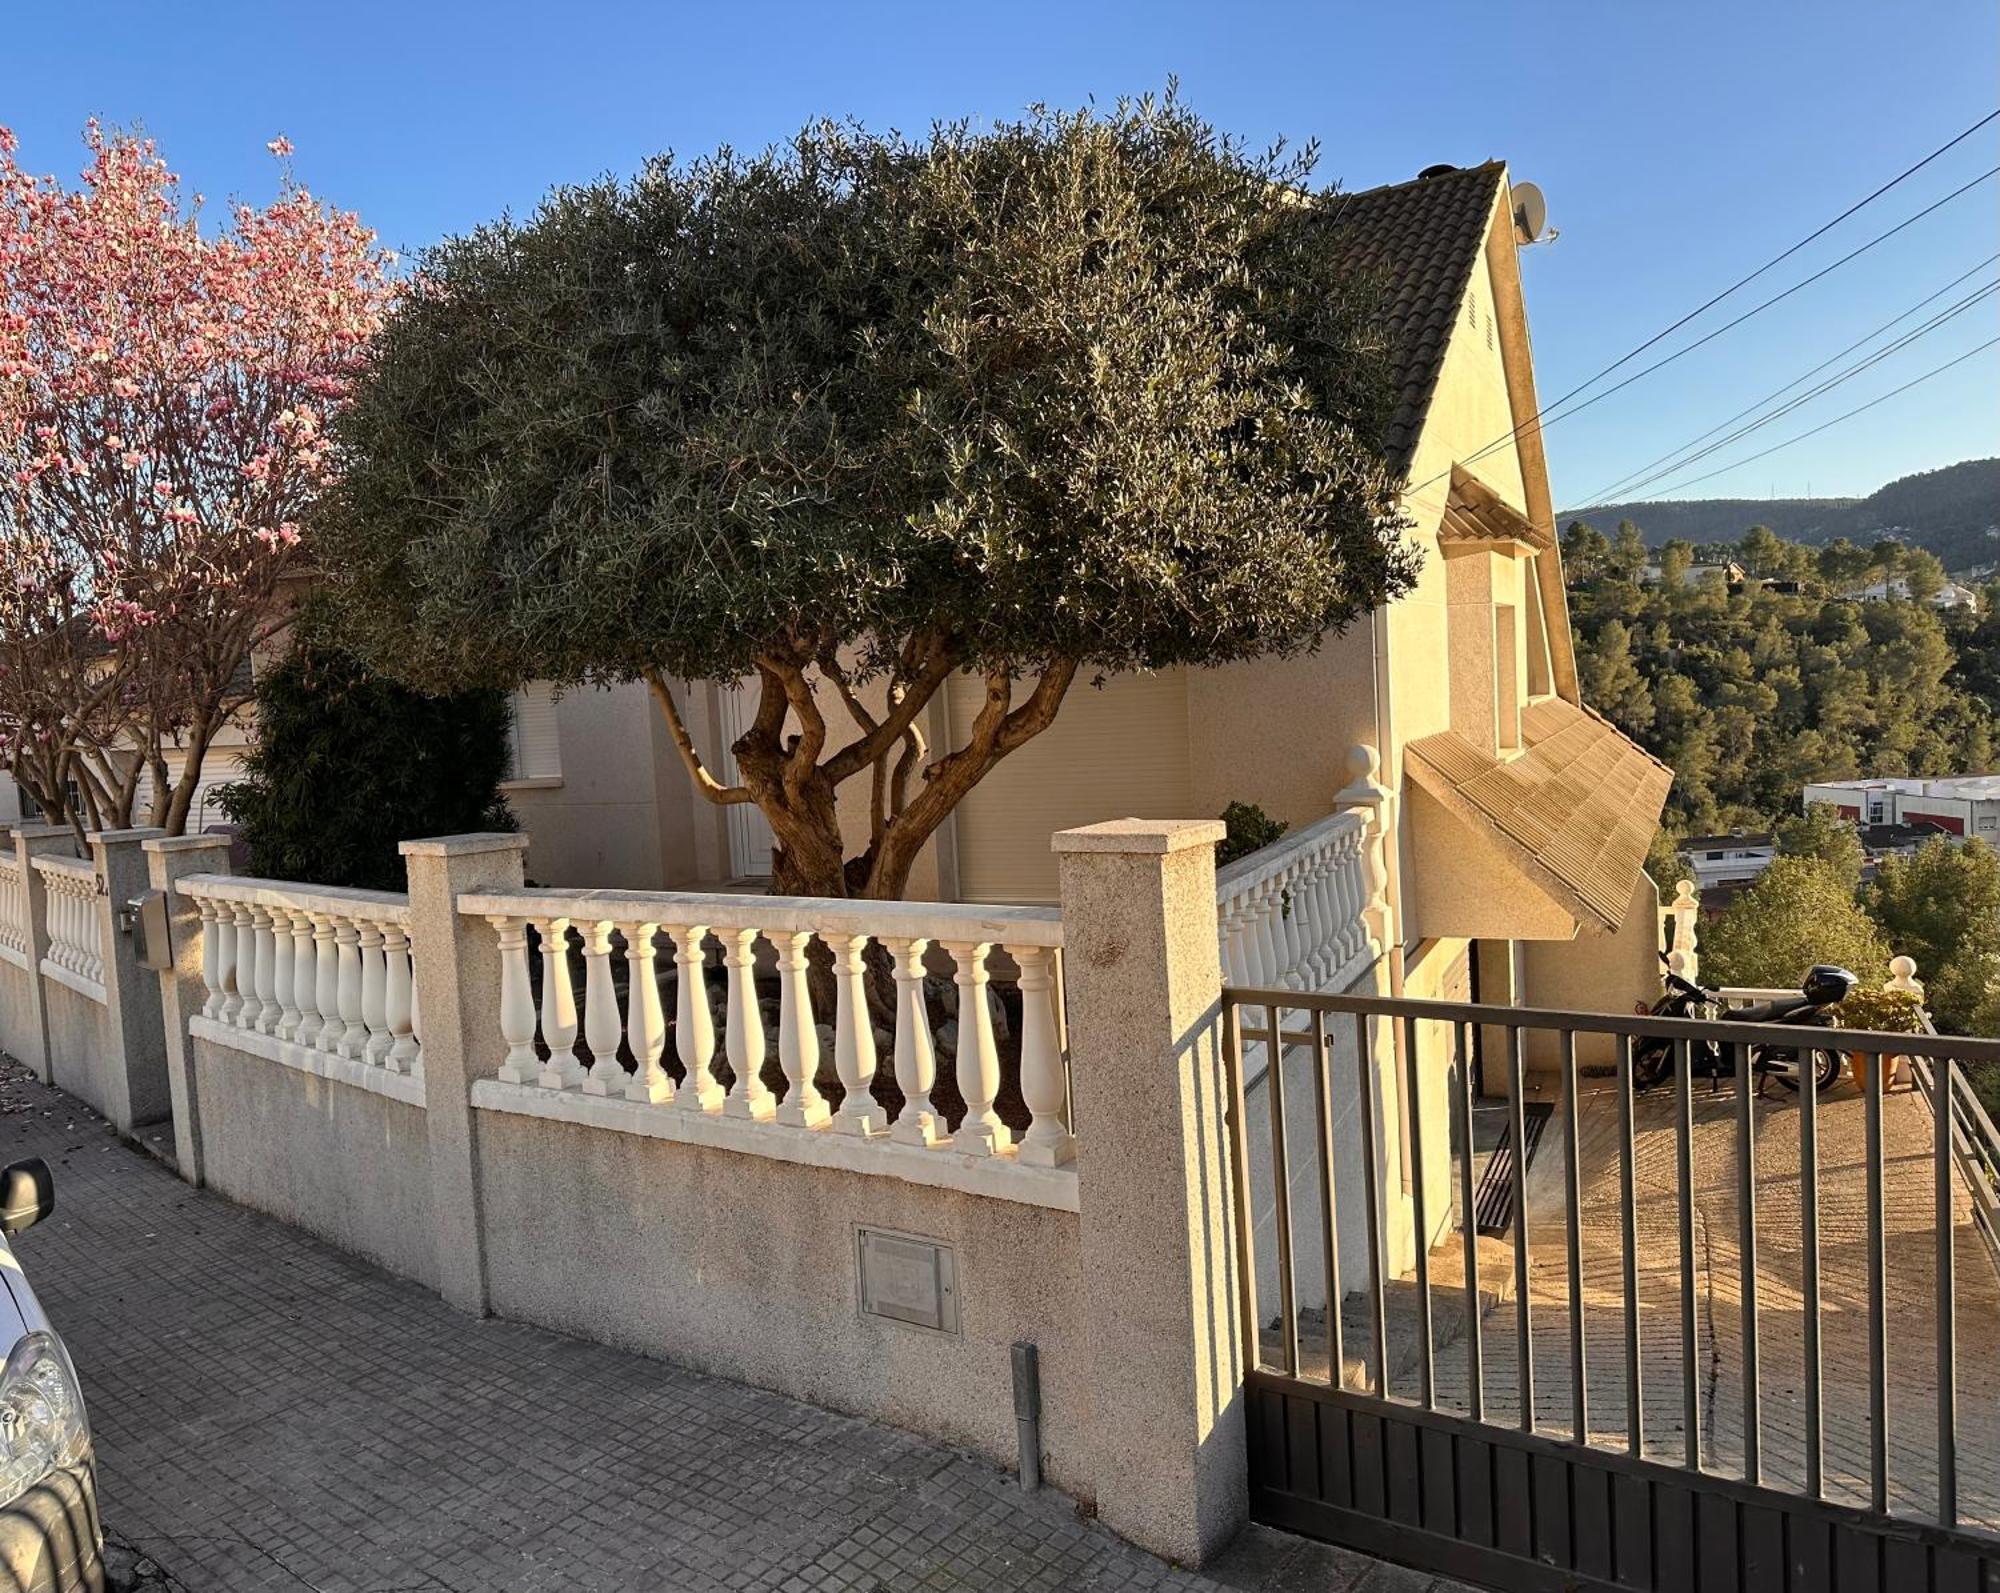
(135, 1059)
(1142, 973)
(30, 842)
(170, 858)
(457, 966)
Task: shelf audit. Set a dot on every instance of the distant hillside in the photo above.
(1949, 511)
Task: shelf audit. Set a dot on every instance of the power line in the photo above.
(1688, 454)
(1938, 370)
(1741, 282)
(1637, 477)
(1549, 417)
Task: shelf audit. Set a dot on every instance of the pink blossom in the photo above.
(280, 146)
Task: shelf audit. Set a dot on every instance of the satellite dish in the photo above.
(1531, 213)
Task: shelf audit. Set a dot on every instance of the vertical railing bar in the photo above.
(1947, 1295)
(1635, 1410)
(1517, 1127)
(1878, 1344)
(1426, 1361)
(1281, 1206)
(1246, 1252)
(1809, 1264)
(1684, 1176)
(1579, 1397)
(1746, 1257)
(1370, 1189)
(1475, 1371)
(1336, 1349)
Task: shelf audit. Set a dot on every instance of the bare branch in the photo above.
(704, 782)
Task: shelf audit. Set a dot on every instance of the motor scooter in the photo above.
(1824, 987)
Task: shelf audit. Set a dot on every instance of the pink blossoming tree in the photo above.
(164, 395)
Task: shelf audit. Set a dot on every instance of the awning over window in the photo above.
(1573, 814)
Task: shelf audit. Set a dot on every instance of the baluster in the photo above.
(1326, 922)
(646, 1032)
(602, 1027)
(307, 1018)
(284, 984)
(1228, 931)
(1270, 944)
(694, 1024)
(352, 1036)
(854, 1038)
(743, 1033)
(1048, 1142)
(798, 1040)
(980, 1132)
(398, 1000)
(916, 1063)
(326, 983)
(263, 927)
(517, 1006)
(212, 956)
(375, 1040)
(562, 1071)
(416, 1018)
(241, 970)
(1290, 925)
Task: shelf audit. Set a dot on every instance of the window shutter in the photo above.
(537, 749)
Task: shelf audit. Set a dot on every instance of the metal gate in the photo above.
(1718, 1375)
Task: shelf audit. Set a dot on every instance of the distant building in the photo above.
(1950, 595)
(1731, 574)
(1728, 859)
(1959, 805)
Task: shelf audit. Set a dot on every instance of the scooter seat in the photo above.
(1769, 1011)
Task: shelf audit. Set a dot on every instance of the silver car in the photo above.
(50, 1537)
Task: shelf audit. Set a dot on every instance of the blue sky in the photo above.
(1679, 146)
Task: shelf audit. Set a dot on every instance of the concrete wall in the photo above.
(746, 1268)
(17, 1022)
(81, 1055)
(344, 1163)
(1594, 973)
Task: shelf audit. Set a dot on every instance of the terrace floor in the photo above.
(1910, 1277)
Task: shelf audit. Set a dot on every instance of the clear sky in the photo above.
(1679, 145)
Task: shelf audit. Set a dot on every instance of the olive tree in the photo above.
(1084, 393)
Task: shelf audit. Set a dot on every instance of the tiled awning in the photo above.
(1575, 811)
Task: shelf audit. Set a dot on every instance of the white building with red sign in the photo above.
(1960, 805)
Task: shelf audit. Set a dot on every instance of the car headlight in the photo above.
(42, 1424)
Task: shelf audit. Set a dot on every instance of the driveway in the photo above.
(273, 1414)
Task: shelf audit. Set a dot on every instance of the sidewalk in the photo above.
(273, 1414)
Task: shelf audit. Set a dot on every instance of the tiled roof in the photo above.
(1577, 809)
(1423, 238)
(1474, 514)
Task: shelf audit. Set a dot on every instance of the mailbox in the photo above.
(147, 917)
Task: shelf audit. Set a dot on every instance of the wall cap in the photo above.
(465, 845)
(1144, 836)
(39, 832)
(162, 842)
(125, 837)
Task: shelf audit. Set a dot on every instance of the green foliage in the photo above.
(1089, 391)
(1800, 912)
(1885, 1011)
(1249, 829)
(1750, 695)
(1821, 832)
(1941, 906)
(345, 764)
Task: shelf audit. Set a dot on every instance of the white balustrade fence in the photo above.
(1291, 915)
(15, 941)
(76, 944)
(323, 970)
(541, 1036)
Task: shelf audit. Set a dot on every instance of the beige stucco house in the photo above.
(1525, 819)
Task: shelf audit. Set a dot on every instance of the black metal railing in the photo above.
(1420, 1051)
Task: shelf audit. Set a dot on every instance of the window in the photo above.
(1507, 677)
(537, 751)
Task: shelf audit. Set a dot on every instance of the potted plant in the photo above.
(1888, 1012)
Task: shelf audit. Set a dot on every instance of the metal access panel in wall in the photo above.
(908, 1279)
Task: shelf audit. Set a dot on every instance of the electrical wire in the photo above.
(1938, 370)
(1683, 457)
(1741, 282)
(1631, 478)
